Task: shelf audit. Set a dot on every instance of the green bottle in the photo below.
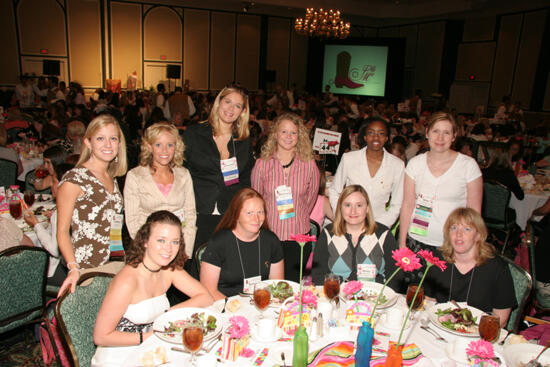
(300, 354)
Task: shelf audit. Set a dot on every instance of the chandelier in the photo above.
(322, 23)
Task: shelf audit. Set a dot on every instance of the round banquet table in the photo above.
(525, 208)
(433, 351)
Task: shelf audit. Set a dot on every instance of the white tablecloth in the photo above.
(524, 208)
(434, 351)
(28, 165)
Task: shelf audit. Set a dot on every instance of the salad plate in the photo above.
(281, 291)
(169, 326)
(463, 321)
(370, 292)
(517, 355)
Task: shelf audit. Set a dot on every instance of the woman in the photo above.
(355, 246)
(137, 294)
(287, 177)
(53, 157)
(160, 182)
(500, 170)
(89, 202)
(474, 273)
(241, 248)
(219, 157)
(436, 183)
(379, 172)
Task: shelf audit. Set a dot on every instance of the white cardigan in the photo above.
(142, 197)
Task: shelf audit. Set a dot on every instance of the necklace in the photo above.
(152, 271)
(289, 163)
(469, 284)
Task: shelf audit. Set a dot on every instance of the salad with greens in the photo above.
(207, 323)
(280, 291)
(458, 319)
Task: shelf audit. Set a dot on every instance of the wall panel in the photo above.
(410, 33)
(475, 59)
(126, 42)
(528, 56)
(392, 32)
(222, 51)
(278, 36)
(84, 26)
(33, 64)
(428, 57)
(196, 32)
(9, 62)
(162, 35)
(42, 26)
(505, 59)
(298, 61)
(479, 29)
(248, 50)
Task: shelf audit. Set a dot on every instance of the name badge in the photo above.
(423, 212)
(230, 171)
(248, 283)
(366, 272)
(181, 216)
(115, 237)
(285, 205)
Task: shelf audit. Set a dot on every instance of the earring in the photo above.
(116, 159)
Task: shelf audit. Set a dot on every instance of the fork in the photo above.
(424, 326)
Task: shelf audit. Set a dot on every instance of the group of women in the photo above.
(171, 209)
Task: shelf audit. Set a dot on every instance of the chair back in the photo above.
(496, 198)
(198, 256)
(77, 312)
(522, 289)
(9, 173)
(23, 273)
(314, 229)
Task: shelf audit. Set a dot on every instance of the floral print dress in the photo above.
(92, 216)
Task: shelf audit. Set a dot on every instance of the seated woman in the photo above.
(355, 246)
(500, 170)
(241, 248)
(137, 294)
(474, 273)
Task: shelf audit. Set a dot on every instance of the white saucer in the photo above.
(383, 323)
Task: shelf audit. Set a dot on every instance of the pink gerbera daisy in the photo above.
(406, 259)
(434, 260)
(302, 238)
(481, 349)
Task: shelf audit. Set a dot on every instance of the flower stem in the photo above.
(381, 293)
(301, 262)
(428, 266)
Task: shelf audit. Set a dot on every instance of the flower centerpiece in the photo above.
(236, 338)
(289, 318)
(394, 354)
(300, 342)
(481, 354)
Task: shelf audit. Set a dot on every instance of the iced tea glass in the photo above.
(489, 327)
(15, 209)
(331, 286)
(28, 196)
(411, 290)
(192, 340)
(262, 297)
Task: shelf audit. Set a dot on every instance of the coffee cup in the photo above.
(459, 349)
(325, 308)
(394, 318)
(266, 328)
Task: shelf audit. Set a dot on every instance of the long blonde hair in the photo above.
(152, 134)
(304, 150)
(240, 126)
(470, 217)
(339, 226)
(119, 165)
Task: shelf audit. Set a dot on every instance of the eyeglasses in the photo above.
(380, 134)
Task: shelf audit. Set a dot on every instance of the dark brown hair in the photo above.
(136, 250)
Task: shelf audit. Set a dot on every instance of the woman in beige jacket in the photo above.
(161, 183)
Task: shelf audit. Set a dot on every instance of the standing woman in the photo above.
(161, 183)
(89, 202)
(288, 179)
(436, 183)
(219, 157)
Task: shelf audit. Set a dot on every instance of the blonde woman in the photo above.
(219, 157)
(89, 201)
(288, 179)
(474, 273)
(355, 246)
(161, 183)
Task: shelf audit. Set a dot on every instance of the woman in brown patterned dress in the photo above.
(89, 202)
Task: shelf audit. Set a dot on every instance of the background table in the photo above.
(524, 208)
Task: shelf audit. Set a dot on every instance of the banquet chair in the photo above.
(314, 229)
(541, 303)
(496, 212)
(76, 313)
(9, 173)
(522, 290)
(23, 274)
(198, 256)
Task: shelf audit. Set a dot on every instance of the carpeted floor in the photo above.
(20, 348)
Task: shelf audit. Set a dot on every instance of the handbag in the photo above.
(47, 345)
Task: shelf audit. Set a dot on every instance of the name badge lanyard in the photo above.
(283, 195)
(241, 259)
(423, 211)
(230, 168)
(469, 284)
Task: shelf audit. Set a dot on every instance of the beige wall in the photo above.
(9, 62)
(126, 42)
(196, 36)
(41, 26)
(248, 50)
(278, 37)
(222, 52)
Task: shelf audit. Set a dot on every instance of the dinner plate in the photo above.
(295, 286)
(516, 354)
(373, 289)
(464, 361)
(162, 322)
(442, 306)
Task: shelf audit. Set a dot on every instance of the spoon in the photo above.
(424, 326)
(283, 358)
(535, 362)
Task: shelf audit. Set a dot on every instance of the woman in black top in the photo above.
(221, 142)
(500, 170)
(241, 248)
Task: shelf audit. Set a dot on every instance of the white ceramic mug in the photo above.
(325, 308)
(394, 318)
(266, 328)
(459, 348)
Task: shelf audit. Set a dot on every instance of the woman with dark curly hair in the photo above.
(137, 294)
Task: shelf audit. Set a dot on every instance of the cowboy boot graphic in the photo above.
(343, 61)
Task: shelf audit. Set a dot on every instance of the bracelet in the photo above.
(73, 269)
(140, 337)
(72, 262)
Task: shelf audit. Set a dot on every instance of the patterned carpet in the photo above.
(20, 348)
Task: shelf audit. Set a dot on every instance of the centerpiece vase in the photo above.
(300, 353)
(395, 356)
(364, 345)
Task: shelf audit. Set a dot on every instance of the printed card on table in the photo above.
(326, 141)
